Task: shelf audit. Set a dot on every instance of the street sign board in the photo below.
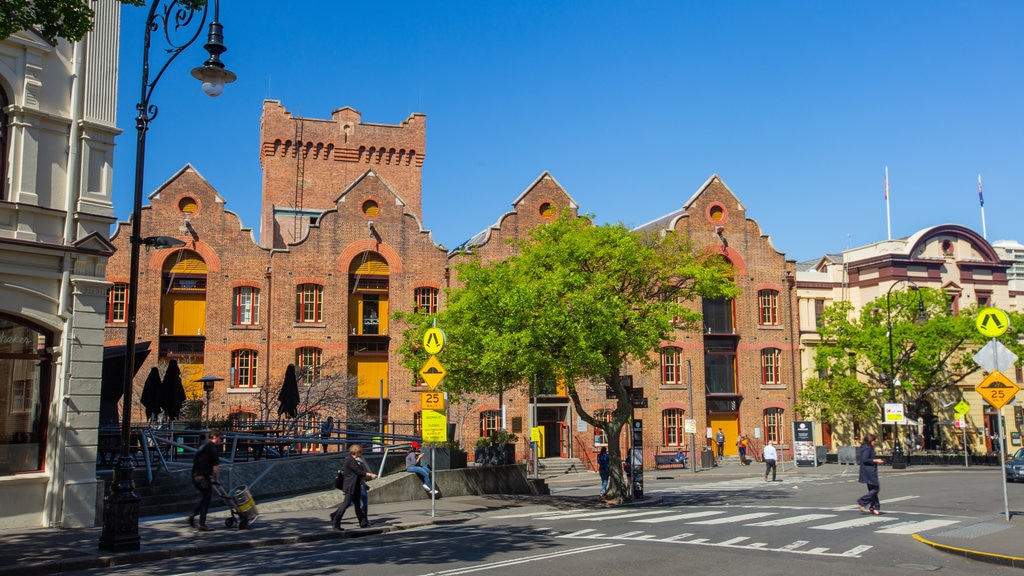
(961, 408)
(997, 389)
(433, 341)
(432, 401)
(433, 372)
(992, 322)
(995, 356)
(435, 425)
(690, 426)
(894, 413)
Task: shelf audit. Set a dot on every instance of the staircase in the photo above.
(551, 467)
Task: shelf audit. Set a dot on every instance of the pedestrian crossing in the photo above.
(703, 524)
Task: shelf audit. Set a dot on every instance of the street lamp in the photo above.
(172, 18)
(209, 382)
(899, 460)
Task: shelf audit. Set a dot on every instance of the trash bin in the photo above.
(707, 458)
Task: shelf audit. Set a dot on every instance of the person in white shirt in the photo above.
(770, 455)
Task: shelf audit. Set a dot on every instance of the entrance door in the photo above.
(730, 425)
(563, 440)
(552, 418)
(992, 432)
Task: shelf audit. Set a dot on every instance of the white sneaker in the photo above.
(435, 492)
(427, 488)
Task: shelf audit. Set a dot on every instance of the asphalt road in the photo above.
(723, 525)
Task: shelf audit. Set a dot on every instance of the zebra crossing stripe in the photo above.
(622, 515)
(792, 520)
(677, 537)
(856, 551)
(852, 523)
(735, 540)
(795, 545)
(732, 519)
(914, 527)
(684, 516)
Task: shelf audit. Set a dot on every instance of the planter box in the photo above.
(446, 458)
(499, 455)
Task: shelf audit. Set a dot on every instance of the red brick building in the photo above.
(343, 246)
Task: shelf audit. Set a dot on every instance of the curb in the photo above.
(974, 554)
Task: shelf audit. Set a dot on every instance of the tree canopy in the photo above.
(573, 304)
(929, 358)
(53, 19)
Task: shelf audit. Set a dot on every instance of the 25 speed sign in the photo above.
(432, 401)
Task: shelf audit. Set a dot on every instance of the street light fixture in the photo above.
(899, 459)
(171, 18)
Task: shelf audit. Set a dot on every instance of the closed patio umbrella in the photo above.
(150, 398)
(172, 393)
(289, 396)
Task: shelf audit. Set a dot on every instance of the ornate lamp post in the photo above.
(174, 19)
(899, 460)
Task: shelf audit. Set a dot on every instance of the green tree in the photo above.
(53, 19)
(930, 356)
(575, 302)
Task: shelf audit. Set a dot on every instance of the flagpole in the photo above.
(981, 200)
(888, 217)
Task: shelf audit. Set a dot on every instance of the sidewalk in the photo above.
(50, 551)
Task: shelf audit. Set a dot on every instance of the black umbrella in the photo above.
(112, 388)
(150, 398)
(289, 396)
(172, 393)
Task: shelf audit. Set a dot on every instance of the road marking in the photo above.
(795, 545)
(735, 540)
(914, 527)
(792, 520)
(677, 537)
(621, 515)
(522, 560)
(674, 517)
(529, 514)
(852, 523)
(732, 519)
(856, 551)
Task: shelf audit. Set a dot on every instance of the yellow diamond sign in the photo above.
(433, 372)
(997, 389)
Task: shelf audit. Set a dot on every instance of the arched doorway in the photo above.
(183, 315)
(369, 284)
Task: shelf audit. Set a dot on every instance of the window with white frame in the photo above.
(670, 366)
(244, 364)
(247, 306)
(768, 304)
(489, 420)
(773, 424)
(770, 359)
(117, 302)
(603, 415)
(309, 303)
(672, 421)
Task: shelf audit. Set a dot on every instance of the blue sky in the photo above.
(631, 106)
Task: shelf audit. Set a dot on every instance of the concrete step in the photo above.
(549, 467)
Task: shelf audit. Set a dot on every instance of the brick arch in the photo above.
(158, 257)
(780, 405)
(731, 255)
(674, 406)
(354, 249)
(768, 286)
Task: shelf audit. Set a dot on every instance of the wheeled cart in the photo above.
(241, 505)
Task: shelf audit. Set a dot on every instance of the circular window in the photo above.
(370, 208)
(716, 213)
(188, 205)
(548, 210)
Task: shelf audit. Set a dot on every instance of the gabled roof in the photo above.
(186, 168)
(668, 221)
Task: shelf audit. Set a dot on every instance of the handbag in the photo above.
(339, 482)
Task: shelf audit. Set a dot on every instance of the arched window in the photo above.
(773, 421)
(768, 304)
(247, 306)
(307, 362)
(243, 367)
(489, 421)
(117, 300)
(770, 366)
(670, 367)
(672, 421)
(25, 385)
(309, 303)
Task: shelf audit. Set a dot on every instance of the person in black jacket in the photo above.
(354, 477)
(205, 471)
(869, 475)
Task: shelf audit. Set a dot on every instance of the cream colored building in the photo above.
(57, 111)
(948, 257)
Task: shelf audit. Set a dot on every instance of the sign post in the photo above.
(433, 417)
(996, 389)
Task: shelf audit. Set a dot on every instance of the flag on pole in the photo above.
(981, 199)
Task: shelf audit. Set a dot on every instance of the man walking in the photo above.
(720, 442)
(770, 455)
(205, 471)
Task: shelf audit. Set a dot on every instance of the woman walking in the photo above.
(603, 470)
(868, 503)
(354, 477)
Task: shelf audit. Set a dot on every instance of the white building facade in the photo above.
(57, 111)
